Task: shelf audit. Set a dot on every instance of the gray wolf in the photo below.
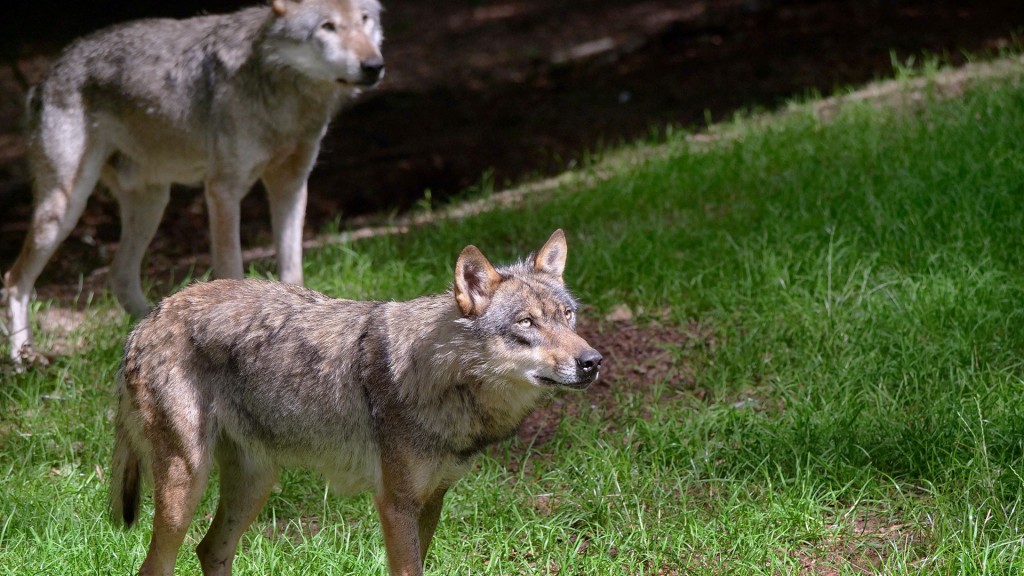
(393, 397)
(224, 100)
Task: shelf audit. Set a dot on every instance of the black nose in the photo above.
(372, 70)
(589, 361)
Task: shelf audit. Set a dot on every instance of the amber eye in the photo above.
(329, 26)
(525, 323)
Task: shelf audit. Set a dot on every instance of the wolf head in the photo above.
(526, 318)
(331, 40)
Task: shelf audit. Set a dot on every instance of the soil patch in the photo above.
(863, 543)
(638, 356)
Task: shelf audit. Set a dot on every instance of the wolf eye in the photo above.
(366, 17)
(329, 26)
(569, 313)
(525, 323)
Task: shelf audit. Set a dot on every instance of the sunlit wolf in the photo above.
(393, 397)
(224, 100)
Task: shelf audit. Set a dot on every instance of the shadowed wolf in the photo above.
(224, 100)
(393, 397)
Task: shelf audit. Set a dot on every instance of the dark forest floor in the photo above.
(519, 89)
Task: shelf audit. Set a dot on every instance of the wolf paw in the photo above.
(25, 358)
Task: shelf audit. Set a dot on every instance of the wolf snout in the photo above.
(372, 70)
(588, 362)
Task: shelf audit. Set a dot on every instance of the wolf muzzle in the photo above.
(588, 366)
(371, 71)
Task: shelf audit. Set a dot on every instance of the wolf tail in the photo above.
(125, 473)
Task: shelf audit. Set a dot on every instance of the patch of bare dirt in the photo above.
(640, 356)
(862, 544)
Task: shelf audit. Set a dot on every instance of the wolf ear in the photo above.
(475, 281)
(280, 7)
(550, 259)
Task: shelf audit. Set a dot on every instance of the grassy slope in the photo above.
(863, 280)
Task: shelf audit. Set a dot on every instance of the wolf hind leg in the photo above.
(179, 480)
(66, 167)
(141, 211)
(245, 483)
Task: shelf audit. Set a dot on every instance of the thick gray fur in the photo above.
(221, 100)
(392, 397)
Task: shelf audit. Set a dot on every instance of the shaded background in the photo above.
(504, 91)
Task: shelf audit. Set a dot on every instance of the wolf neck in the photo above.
(454, 391)
(277, 79)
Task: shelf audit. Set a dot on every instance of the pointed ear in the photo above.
(475, 281)
(550, 259)
(280, 7)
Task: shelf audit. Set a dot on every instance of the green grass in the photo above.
(861, 408)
